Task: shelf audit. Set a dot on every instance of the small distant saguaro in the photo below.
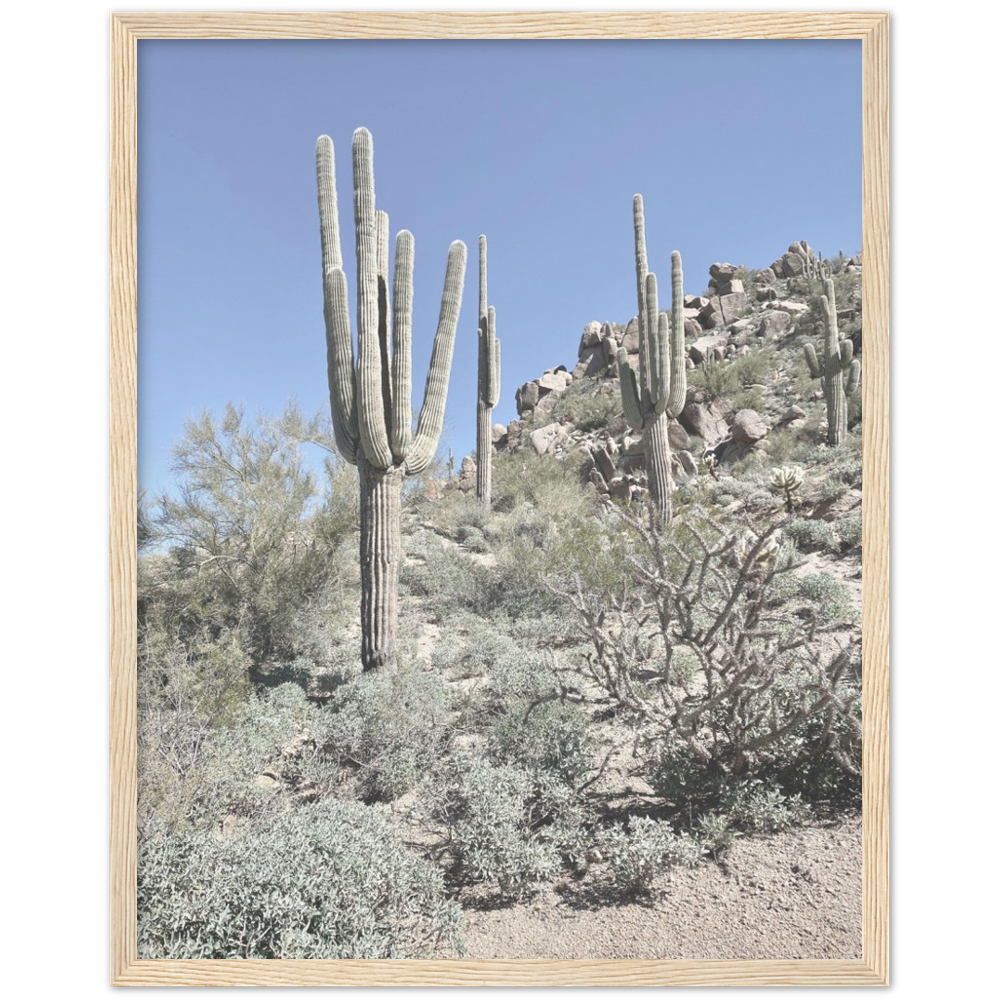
(839, 373)
(661, 389)
(370, 395)
(489, 385)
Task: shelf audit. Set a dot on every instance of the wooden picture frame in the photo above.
(872, 30)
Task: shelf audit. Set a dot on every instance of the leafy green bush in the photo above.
(329, 880)
(642, 851)
(255, 535)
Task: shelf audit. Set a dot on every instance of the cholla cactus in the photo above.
(489, 385)
(661, 389)
(370, 395)
(838, 362)
(762, 561)
(787, 481)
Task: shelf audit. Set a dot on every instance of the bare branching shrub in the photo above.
(695, 642)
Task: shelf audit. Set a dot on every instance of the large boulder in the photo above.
(677, 436)
(592, 362)
(630, 340)
(692, 328)
(604, 462)
(773, 323)
(703, 347)
(711, 316)
(526, 398)
(704, 416)
(734, 305)
(794, 264)
(766, 276)
(748, 427)
(554, 381)
(794, 416)
(731, 287)
(545, 439)
(686, 461)
(591, 336)
(723, 272)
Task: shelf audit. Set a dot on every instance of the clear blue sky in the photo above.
(738, 147)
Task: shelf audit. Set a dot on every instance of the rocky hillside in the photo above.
(746, 377)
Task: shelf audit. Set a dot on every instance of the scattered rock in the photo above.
(591, 336)
(723, 272)
(702, 347)
(545, 439)
(794, 416)
(526, 398)
(773, 322)
(704, 416)
(748, 427)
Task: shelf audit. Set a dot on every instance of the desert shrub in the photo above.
(828, 599)
(849, 530)
(511, 827)
(716, 833)
(329, 880)
(585, 406)
(759, 807)
(391, 728)
(723, 379)
(548, 737)
(751, 398)
(810, 535)
(552, 487)
(639, 853)
(195, 769)
(763, 679)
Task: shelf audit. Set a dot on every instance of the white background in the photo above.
(54, 681)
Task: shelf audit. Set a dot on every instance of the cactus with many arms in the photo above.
(370, 395)
(839, 372)
(489, 385)
(660, 390)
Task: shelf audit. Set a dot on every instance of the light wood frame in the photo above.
(872, 969)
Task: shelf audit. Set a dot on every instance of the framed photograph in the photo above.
(806, 274)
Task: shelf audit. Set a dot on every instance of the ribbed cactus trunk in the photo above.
(656, 445)
(661, 389)
(381, 495)
(484, 452)
(839, 372)
(488, 385)
(370, 395)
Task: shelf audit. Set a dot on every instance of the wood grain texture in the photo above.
(123, 496)
(875, 498)
(523, 24)
(455, 972)
(872, 28)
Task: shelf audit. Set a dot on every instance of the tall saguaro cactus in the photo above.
(839, 372)
(489, 385)
(661, 388)
(370, 394)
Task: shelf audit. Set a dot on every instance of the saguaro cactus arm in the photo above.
(493, 386)
(431, 419)
(402, 322)
(370, 397)
(676, 375)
